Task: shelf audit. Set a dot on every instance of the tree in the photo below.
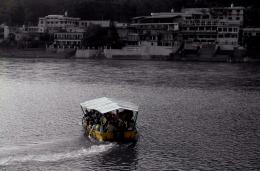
(94, 37)
(112, 38)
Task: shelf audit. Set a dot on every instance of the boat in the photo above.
(110, 119)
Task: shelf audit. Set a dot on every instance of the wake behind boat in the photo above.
(109, 119)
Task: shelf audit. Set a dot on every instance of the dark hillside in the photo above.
(17, 12)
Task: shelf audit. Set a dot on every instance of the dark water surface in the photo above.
(193, 116)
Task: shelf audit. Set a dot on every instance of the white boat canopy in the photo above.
(104, 105)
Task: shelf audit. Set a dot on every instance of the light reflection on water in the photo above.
(192, 115)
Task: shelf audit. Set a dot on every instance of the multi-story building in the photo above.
(194, 27)
(232, 13)
(68, 32)
(55, 23)
(219, 26)
(159, 29)
(68, 40)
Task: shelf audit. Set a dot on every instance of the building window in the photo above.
(227, 35)
(220, 29)
(237, 18)
(230, 29)
(224, 29)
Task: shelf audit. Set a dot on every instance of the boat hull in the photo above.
(126, 136)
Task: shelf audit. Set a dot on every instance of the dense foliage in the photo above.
(16, 12)
(101, 37)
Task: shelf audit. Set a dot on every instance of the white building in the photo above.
(54, 23)
(219, 26)
(195, 27)
(68, 40)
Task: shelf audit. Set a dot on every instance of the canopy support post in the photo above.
(83, 110)
(135, 118)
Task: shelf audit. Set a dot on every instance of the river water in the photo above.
(193, 116)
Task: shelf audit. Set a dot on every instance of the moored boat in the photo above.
(109, 119)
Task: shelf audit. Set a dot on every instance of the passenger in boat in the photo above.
(108, 116)
(126, 125)
(131, 125)
(96, 117)
(110, 127)
(121, 124)
(113, 119)
(87, 119)
(129, 120)
(103, 122)
(91, 112)
(97, 127)
(89, 125)
(91, 128)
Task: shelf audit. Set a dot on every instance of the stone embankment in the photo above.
(35, 53)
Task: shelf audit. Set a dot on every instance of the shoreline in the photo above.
(41, 53)
(32, 53)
